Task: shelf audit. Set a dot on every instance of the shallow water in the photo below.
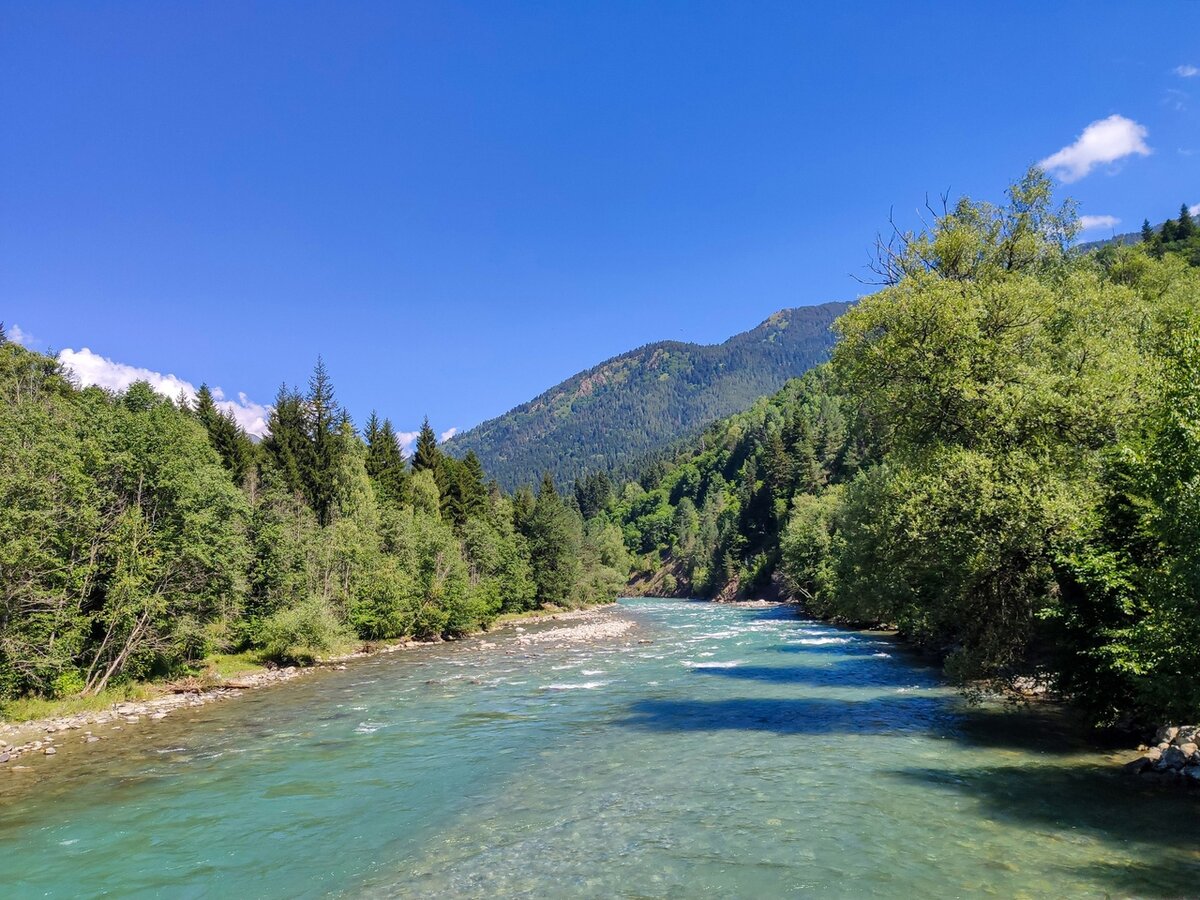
(744, 752)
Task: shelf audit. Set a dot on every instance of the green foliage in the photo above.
(300, 634)
(1002, 459)
(137, 535)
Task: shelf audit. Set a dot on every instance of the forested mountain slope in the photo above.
(638, 402)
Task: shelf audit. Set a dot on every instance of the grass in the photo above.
(231, 665)
(30, 708)
(220, 665)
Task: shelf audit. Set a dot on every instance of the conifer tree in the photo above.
(553, 555)
(427, 457)
(287, 445)
(1185, 227)
(224, 433)
(325, 421)
(385, 462)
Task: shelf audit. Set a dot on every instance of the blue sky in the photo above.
(460, 204)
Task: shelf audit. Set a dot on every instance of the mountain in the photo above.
(640, 401)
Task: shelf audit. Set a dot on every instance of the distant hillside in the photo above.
(641, 401)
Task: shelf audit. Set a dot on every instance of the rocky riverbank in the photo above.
(1175, 753)
(44, 736)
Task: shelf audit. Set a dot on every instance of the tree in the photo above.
(427, 456)
(287, 444)
(1184, 227)
(553, 553)
(385, 462)
(227, 437)
(323, 419)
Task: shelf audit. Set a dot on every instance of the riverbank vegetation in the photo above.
(1002, 458)
(140, 535)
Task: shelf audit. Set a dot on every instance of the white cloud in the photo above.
(17, 336)
(93, 369)
(1103, 141)
(407, 439)
(1087, 223)
(1186, 71)
(447, 434)
(1194, 210)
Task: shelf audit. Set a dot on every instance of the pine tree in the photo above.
(552, 552)
(325, 421)
(1148, 233)
(385, 462)
(227, 437)
(427, 457)
(287, 445)
(1185, 227)
(472, 485)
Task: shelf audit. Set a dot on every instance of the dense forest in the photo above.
(1002, 459)
(612, 415)
(140, 534)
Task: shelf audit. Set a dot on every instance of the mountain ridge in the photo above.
(643, 399)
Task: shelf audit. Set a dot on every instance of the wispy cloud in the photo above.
(17, 335)
(93, 369)
(1194, 210)
(407, 440)
(1103, 141)
(1176, 99)
(447, 434)
(1088, 223)
(1187, 71)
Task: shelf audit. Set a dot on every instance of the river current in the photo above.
(734, 751)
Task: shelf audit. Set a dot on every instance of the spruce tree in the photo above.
(325, 420)
(552, 553)
(427, 457)
(287, 444)
(472, 483)
(1185, 227)
(385, 462)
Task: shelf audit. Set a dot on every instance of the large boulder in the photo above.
(1173, 759)
(1167, 733)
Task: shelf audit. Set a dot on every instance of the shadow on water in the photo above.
(1044, 729)
(834, 676)
(800, 716)
(1155, 822)
(851, 650)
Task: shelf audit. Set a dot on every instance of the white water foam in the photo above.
(583, 686)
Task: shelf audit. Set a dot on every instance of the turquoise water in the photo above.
(743, 752)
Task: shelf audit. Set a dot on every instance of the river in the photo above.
(721, 750)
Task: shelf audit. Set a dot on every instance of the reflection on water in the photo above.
(744, 752)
